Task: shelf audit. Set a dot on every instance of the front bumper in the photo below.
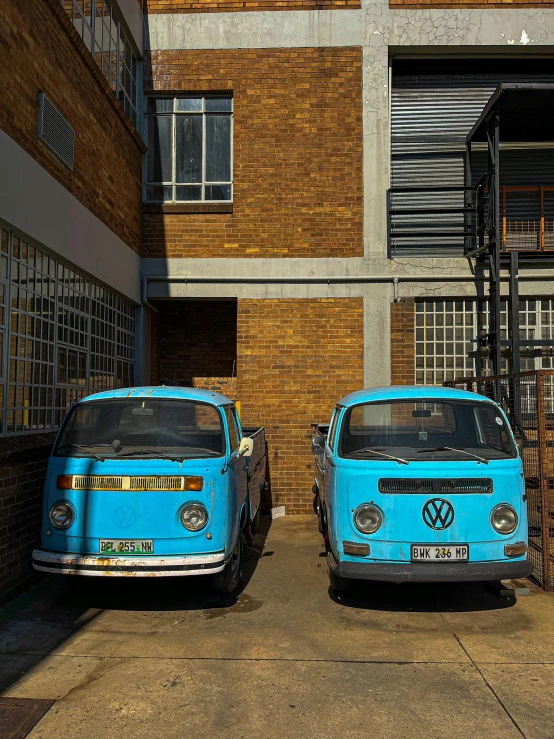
(430, 571)
(62, 563)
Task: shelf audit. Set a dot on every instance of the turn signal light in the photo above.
(64, 482)
(194, 483)
(355, 550)
(515, 550)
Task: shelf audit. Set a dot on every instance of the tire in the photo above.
(321, 523)
(228, 579)
(338, 584)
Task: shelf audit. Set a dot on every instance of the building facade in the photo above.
(208, 193)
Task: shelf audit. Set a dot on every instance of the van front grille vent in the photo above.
(55, 132)
(452, 486)
(166, 483)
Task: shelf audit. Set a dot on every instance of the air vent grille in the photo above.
(55, 132)
(454, 486)
(146, 482)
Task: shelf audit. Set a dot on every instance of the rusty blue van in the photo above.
(152, 482)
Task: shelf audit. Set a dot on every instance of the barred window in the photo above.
(98, 25)
(446, 333)
(189, 149)
(58, 336)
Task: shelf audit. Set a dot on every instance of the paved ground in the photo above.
(167, 659)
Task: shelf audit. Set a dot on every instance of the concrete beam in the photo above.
(34, 202)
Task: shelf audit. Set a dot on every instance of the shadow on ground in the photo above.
(423, 597)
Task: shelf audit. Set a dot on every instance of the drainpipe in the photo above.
(145, 295)
(395, 298)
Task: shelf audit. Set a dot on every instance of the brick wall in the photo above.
(197, 338)
(22, 473)
(403, 343)
(224, 385)
(221, 6)
(297, 154)
(295, 359)
(41, 51)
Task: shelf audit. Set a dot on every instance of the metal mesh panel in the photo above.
(461, 486)
(110, 482)
(528, 401)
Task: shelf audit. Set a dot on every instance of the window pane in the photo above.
(188, 148)
(184, 104)
(185, 194)
(219, 105)
(218, 148)
(218, 192)
(159, 194)
(159, 149)
(160, 105)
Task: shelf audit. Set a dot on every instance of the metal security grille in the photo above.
(50, 320)
(55, 132)
(462, 486)
(166, 483)
(446, 333)
(98, 24)
(433, 108)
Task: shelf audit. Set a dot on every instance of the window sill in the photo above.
(187, 207)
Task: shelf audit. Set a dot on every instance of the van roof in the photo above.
(410, 392)
(175, 393)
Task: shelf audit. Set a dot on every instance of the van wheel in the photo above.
(338, 584)
(321, 523)
(228, 579)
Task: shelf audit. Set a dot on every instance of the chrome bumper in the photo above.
(63, 563)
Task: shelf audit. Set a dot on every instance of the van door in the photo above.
(238, 465)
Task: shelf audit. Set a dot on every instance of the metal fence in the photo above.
(527, 399)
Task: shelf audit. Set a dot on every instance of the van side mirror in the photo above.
(318, 444)
(519, 443)
(246, 447)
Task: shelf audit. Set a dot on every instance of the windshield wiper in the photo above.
(85, 449)
(148, 452)
(451, 449)
(380, 454)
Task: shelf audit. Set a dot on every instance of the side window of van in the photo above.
(233, 431)
(333, 429)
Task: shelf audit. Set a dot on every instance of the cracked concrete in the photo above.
(283, 659)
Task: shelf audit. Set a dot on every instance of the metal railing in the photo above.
(527, 398)
(426, 220)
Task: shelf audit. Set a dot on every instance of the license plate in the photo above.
(126, 546)
(434, 553)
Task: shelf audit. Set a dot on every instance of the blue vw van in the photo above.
(151, 482)
(421, 484)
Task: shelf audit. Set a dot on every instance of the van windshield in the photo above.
(426, 430)
(141, 427)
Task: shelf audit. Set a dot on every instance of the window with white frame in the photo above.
(101, 30)
(446, 333)
(190, 149)
(62, 336)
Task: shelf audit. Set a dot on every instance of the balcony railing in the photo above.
(432, 220)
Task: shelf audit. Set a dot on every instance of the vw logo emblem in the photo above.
(438, 513)
(124, 516)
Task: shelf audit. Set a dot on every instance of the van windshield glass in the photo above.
(426, 430)
(135, 427)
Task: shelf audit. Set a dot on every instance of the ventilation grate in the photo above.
(459, 486)
(109, 482)
(55, 132)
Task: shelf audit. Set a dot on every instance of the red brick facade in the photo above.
(297, 154)
(197, 338)
(403, 343)
(292, 369)
(226, 6)
(40, 51)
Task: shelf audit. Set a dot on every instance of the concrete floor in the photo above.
(166, 658)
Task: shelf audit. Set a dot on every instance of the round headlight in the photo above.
(504, 519)
(62, 515)
(368, 518)
(194, 517)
